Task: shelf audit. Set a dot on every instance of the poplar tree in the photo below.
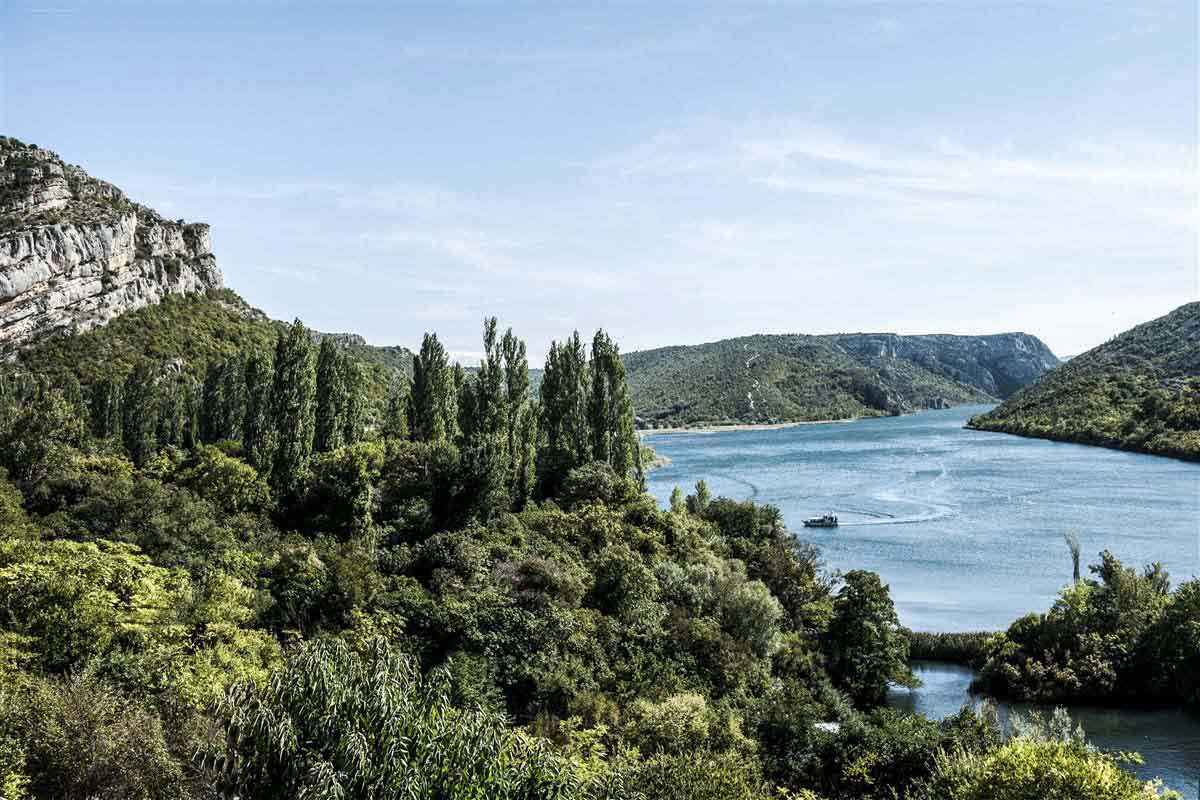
(105, 408)
(520, 424)
(354, 418)
(331, 397)
(232, 398)
(139, 413)
(434, 394)
(563, 426)
(258, 432)
(210, 404)
(484, 420)
(395, 420)
(610, 411)
(293, 409)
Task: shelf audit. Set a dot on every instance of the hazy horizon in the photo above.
(685, 174)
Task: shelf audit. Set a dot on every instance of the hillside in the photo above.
(792, 378)
(75, 252)
(192, 332)
(1139, 391)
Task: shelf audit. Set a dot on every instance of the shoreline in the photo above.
(769, 426)
(748, 426)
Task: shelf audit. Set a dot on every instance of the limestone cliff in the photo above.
(998, 364)
(75, 252)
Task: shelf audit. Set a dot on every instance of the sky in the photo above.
(673, 172)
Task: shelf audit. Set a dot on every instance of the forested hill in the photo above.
(194, 335)
(1139, 391)
(790, 378)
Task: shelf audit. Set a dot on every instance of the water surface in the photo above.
(1169, 741)
(965, 526)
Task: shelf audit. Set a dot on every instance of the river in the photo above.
(966, 527)
(1169, 741)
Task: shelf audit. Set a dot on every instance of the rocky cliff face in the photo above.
(75, 252)
(998, 364)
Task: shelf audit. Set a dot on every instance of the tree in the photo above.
(697, 503)
(139, 411)
(434, 394)
(519, 425)
(293, 409)
(40, 438)
(106, 408)
(210, 404)
(232, 398)
(563, 424)
(258, 429)
(355, 418)
(866, 646)
(395, 420)
(332, 397)
(332, 723)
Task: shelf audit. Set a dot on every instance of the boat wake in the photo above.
(924, 512)
(726, 476)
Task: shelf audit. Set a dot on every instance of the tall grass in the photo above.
(969, 648)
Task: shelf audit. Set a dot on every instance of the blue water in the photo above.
(967, 529)
(965, 526)
(1168, 741)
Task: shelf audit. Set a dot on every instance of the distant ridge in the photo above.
(1140, 391)
(796, 377)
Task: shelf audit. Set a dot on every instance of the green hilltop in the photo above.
(797, 378)
(1139, 391)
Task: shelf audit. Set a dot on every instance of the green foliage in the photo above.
(228, 483)
(333, 398)
(1122, 637)
(1033, 769)
(969, 648)
(293, 411)
(795, 378)
(550, 631)
(434, 404)
(82, 738)
(1138, 391)
(332, 723)
(867, 647)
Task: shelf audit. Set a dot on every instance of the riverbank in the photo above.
(749, 426)
(652, 459)
(1180, 448)
(1167, 739)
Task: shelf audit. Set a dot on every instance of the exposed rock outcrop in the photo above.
(998, 364)
(75, 252)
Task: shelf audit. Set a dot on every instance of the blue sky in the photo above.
(674, 172)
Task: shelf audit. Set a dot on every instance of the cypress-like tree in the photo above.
(139, 413)
(176, 406)
(483, 414)
(563, 426)
(520, 426)
(434, 394)
(354, 418)
(331, 397)
(395, 421)
(233, 398)
(210, 404)
(258, 430)
(293, 409)
(610, 411)
(106, 408)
